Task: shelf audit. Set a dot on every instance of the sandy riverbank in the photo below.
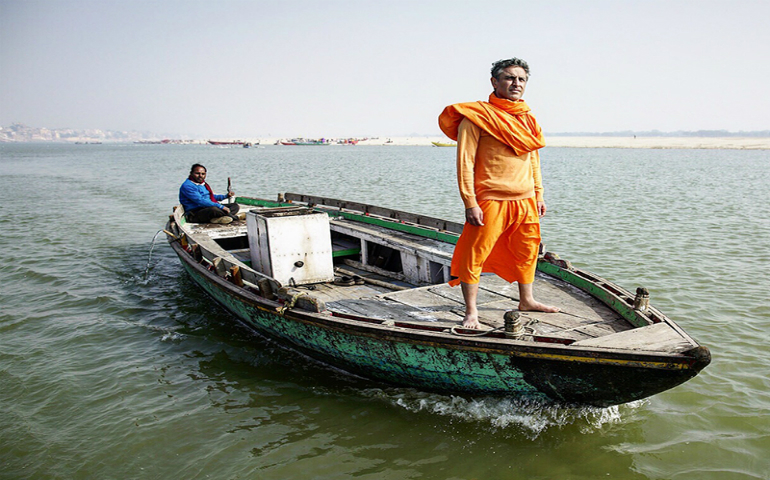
(738, 143)
(730, 143)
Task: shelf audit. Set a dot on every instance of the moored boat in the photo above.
(364, 288)
(305, 142)
(215, 142)
(444, 144)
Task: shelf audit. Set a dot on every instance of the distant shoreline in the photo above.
(725, 143)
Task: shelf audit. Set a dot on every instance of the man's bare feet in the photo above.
(527, 302)
(534, 306)
(471, 321)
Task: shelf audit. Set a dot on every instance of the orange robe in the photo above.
(498, 169)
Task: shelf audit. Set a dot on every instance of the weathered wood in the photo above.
(235, 275)
(456, 294)
(196, 252)
(423, 298)
(380, 271)
(219, 266)
(300, 299)
(656, 337)
(266, 288)
(372, 308)
(329, 292)
(384, 309)
(367, 277)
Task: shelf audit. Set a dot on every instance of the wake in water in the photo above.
(532, 417)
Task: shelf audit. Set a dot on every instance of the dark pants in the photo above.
(206, 214)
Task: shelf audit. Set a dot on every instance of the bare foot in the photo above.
(537, 307)
(471, 321)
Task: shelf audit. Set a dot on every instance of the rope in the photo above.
(486, 332)
(291, 303)
(480, 334)
(531, 331)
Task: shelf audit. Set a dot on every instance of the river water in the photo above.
(114, 365)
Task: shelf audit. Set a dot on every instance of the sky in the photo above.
(353, 68)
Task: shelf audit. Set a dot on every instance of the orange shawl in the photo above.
(509, 122)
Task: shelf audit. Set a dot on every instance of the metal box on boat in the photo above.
(293, 246)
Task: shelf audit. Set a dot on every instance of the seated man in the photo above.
(200, 203)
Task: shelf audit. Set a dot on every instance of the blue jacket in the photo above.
(192, 196)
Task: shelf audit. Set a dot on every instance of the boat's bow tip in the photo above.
(701, 356)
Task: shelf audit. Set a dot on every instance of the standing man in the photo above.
(200, 203)
(498, 172)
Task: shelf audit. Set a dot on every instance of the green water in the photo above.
(113, 364)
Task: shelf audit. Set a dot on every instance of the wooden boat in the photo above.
(303, 142)
(364, 288)
(214, 142)
(443, 144)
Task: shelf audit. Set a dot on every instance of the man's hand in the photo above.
(227, 210)
(230, 193)
(541, 208)
(474, 216)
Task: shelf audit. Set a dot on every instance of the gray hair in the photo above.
(501, 65)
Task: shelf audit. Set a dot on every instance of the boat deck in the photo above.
(581, 318)
(390, 298)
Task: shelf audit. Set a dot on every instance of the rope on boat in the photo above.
(455, 331)
(523, 330)
(291, 303)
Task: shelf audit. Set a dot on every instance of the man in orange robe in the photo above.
(498, 172)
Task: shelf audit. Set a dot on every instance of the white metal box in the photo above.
(292, 245)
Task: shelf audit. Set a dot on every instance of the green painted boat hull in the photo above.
(470, 366)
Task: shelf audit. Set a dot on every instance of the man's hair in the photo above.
(196, 166)
(501, 65)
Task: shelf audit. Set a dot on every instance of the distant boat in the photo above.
(226, 143)
(302, 141)
(442, 144)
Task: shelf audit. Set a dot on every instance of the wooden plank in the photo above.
(372, 308)
(389, 310)
(456, 294)
(331, 293)
(656, 337)
(441, 318)
(423, 298)
(493, 283)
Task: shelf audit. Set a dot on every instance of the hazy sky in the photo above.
(379, 68)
